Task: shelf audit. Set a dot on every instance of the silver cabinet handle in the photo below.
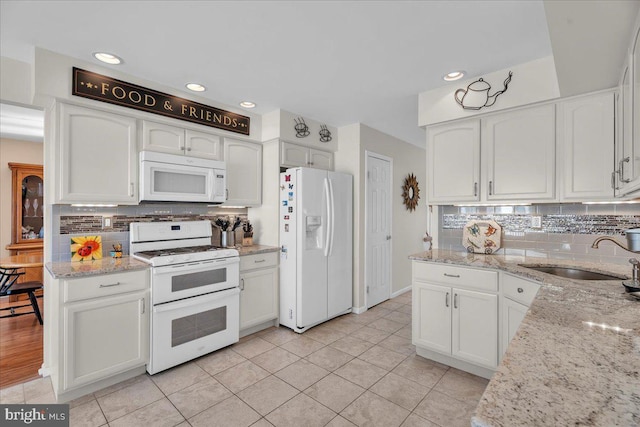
(389, 237)
(188, 148)
(143, 304)
(110, 285)
(446, 300)
(621, 169)
(242, 284)
(520, 290)
(455, 300)
(613, 180)
(227, 194)
(182, 147)
(131, 189)
(452, 275)
(259, 261)
(490, 188)
(475, 189)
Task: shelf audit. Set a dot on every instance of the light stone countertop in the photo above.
(256, 249)
(575, 360)
(68, 269)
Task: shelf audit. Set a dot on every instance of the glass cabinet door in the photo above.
(28, 204)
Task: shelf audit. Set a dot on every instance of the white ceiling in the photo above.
(338, 62)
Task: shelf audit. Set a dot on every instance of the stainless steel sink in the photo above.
(573, 273)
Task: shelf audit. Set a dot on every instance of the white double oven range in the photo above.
(195, 291)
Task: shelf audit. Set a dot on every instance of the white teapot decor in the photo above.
(476, 95)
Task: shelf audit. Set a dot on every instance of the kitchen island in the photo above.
(575, 359)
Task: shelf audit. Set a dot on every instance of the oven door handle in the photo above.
(196, 266)
(190, 302)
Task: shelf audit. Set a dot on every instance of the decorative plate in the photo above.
(482, 236)
(86, 248)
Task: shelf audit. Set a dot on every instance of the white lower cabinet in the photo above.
(103, 324)
(460, 321)
(105, 336)
(517, 296)
(258, 290)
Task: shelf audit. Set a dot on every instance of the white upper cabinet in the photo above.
(453, 162)
(244, 172)
(519, 154)
(292, 155)
(586, 147)
(175, 140)
(633, 163)
(96, 157)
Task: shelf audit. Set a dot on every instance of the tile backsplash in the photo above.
(567, 232)
(69, 221)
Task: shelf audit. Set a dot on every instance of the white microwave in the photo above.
(172, 178)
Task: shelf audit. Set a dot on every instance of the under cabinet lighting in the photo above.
(247, 104)
(618, 202)
(93, 205)
(453, 76)
(107, 58)
(491, 204)
(196, 87)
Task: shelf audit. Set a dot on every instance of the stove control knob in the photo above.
(170, 260)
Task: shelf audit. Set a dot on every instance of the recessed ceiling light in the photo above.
(247, 104)
(107, 58)
(195, 87)
(454, 75)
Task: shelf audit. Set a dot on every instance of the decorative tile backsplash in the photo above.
(69, 221)
(567, 232)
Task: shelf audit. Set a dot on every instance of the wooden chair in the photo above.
(9, 286)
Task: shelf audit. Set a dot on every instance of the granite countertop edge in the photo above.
(68, 269)
(575, 359)
(257, 249)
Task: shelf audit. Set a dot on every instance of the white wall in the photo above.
(531, 82)
(407, 227)
(16, 81)
(16, 152)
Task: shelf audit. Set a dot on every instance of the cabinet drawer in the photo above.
(250, 262)
(468, 278)
(104, 285)
(519, 290)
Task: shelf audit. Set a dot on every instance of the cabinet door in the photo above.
(258, 297)
(432, 316)
(292, 155)
(244, 173)
(163, 138)
(586, 145)
(475, 327)
(104, 336)
(453, 162)
(203, 145)
(624, 143)
(98, 157)
(320, 159)
(519, 149)
(634, 155)
(512, 315)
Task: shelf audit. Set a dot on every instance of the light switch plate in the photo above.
(536, 221)
(107, 222)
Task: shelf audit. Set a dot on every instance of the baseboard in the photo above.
(359, 310)
(259, 327)
(400, 292)
(456, 363)
(98, 385)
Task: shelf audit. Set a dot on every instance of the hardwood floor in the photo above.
(20, 345)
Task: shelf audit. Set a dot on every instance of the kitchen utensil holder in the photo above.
(227, 239)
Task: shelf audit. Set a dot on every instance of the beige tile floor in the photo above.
(354, 370)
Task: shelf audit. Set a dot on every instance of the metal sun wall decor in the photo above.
(410, 192)
(325, 134)
(301, 128)
(476, 95)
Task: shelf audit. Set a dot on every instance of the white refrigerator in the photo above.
(316, 240)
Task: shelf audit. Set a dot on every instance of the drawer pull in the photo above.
(110, 285)
(242, 284)
(455, 300)
(452, 275)
(446, 300)
(259, 261)
(520, 290)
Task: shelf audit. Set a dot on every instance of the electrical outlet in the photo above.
(107, 222)
(536, 221)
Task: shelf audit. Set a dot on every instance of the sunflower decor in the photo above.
(86, 248)
(410, 192)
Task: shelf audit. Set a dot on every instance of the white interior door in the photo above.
(378, 233)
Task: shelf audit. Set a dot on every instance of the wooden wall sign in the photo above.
(106, 89)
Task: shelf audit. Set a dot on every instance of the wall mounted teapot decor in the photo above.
(410, 192)
(325, 134)
(301, 128)
(476, 95)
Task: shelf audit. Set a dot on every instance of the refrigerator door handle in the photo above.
(332, 217)
(327, 231)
